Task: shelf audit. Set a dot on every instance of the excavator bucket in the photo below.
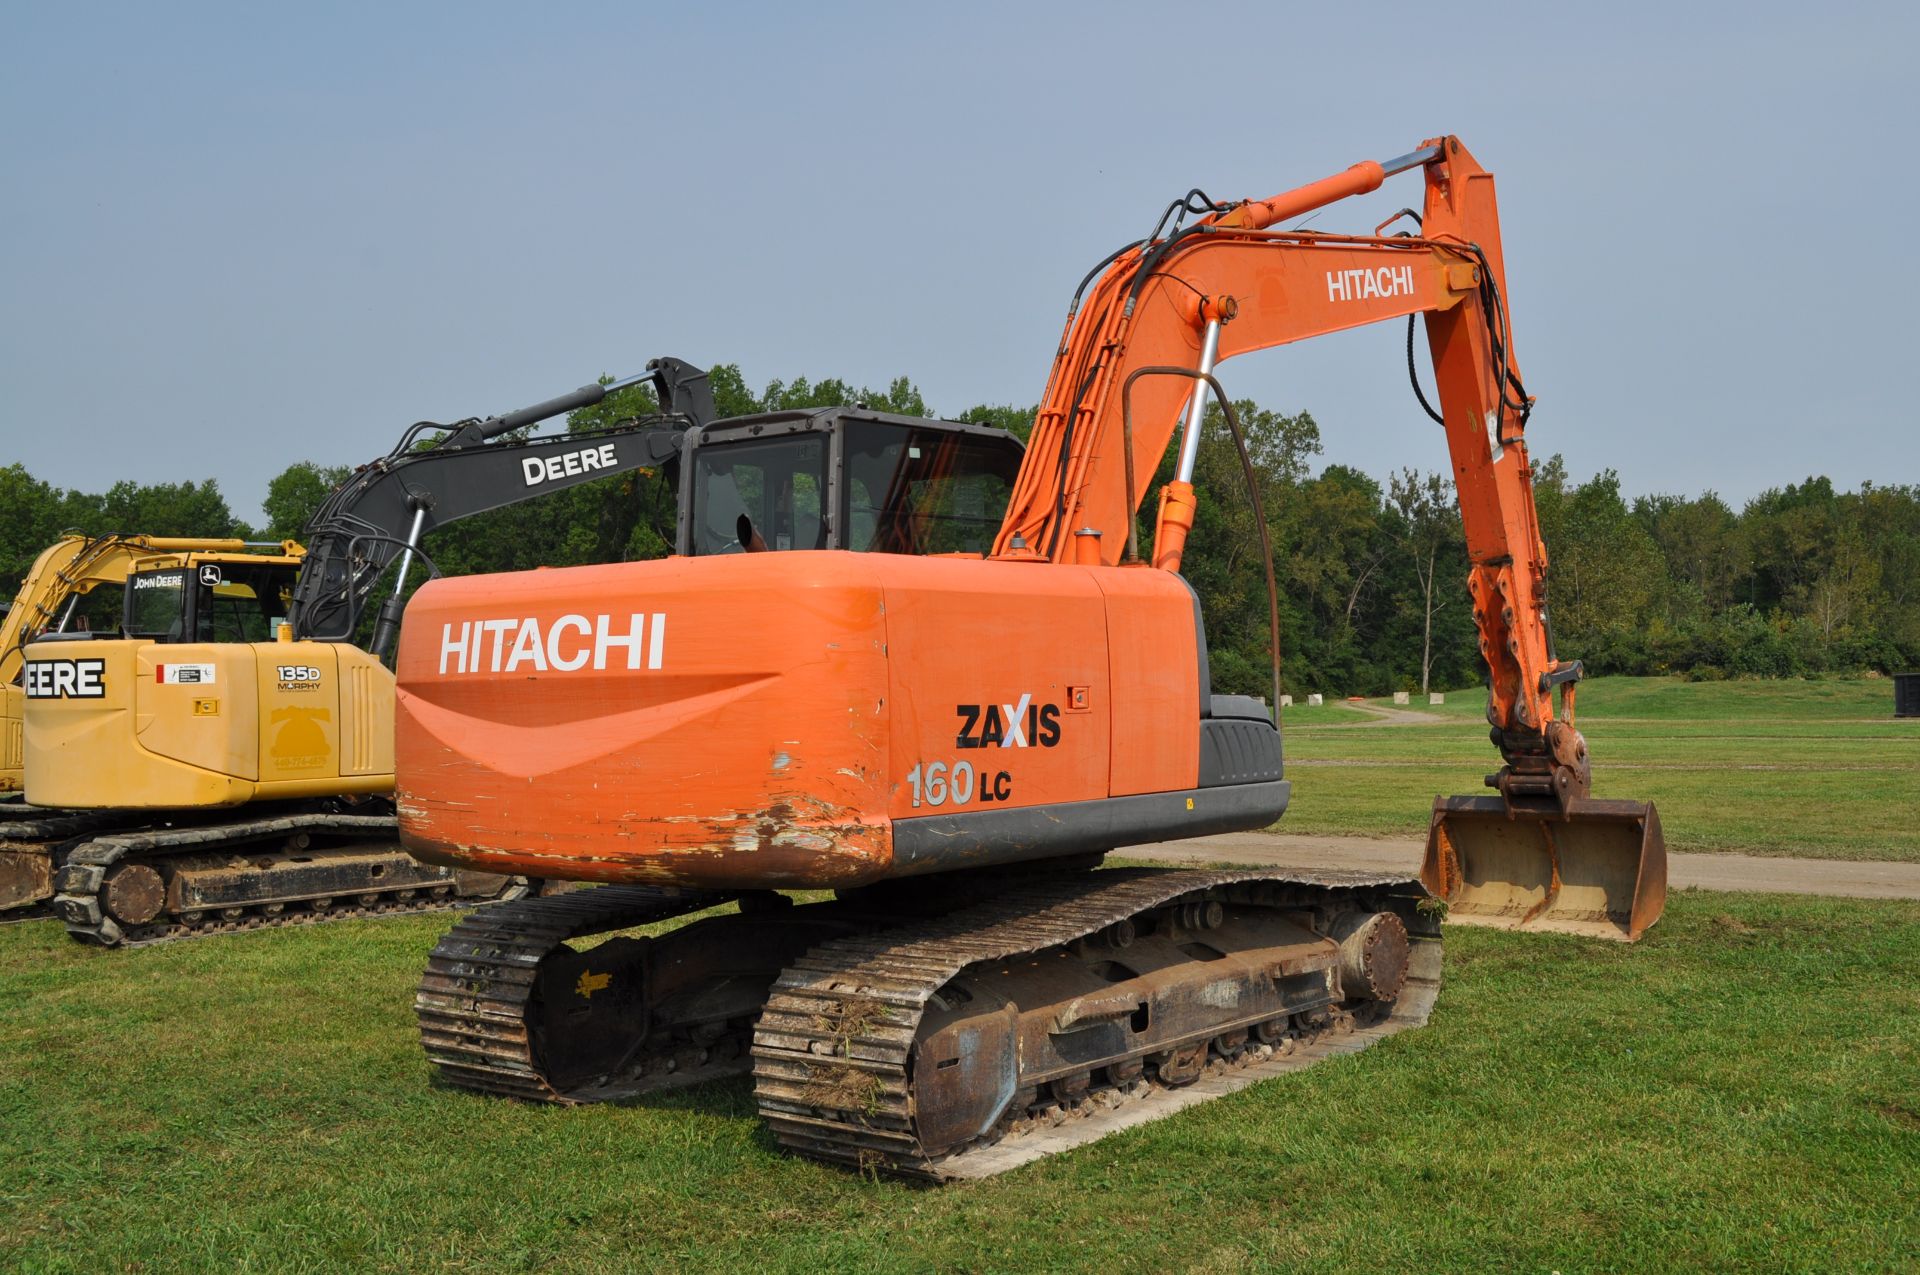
(1596, 867)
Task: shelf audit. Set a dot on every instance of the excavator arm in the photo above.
(437, 474)
(1229, 284)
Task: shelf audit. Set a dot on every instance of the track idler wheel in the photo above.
(133, 894)
(1374, 954)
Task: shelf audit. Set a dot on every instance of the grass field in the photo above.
(1741, 1090)
(1737, 1091)
(1815, 769)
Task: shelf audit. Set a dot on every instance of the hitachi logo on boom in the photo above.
(571, 642)
(1359, 285)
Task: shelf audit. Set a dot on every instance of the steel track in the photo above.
(474, 998)
(832, 1055)
(842, 1019)
(88, 861)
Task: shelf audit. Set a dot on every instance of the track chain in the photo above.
(832, 1050)
(473, 999)
(42, 911)
(85, 868)
(36, 825)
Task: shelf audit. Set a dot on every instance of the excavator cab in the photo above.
(210, 601)
(845, 478)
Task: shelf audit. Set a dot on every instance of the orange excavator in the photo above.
(948, 725)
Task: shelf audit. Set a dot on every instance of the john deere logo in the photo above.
(591, 983)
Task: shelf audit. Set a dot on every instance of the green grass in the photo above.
(1737, 1091)
(1816, 769)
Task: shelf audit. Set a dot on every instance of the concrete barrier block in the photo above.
(1286, 701)
(1436, 698)
(1315, 701)
(1403, 697)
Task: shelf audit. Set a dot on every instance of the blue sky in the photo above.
(235, 237)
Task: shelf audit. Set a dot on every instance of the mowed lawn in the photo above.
(1738, 1091)
(1820, 769)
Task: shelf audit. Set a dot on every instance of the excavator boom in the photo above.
(1230, 284)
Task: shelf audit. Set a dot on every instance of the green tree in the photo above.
(900, 396)
(1428, 526)
(1843, 592)
(31, 517)
(731, 397)
(1700, 539)
(1332, 546)
(1222, 556)
(1803, 578)
(1606, 571)
(1017, 421)
(166, 509)
(1889, 518)
(295, 494)
(1786, 530)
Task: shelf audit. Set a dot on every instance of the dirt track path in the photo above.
(1742, 872)
(1381, 715)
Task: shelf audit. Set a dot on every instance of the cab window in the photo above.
(156, 604)
(925, 491)
(101, 609)
(766, 493)
(240, 601)
(209, 602)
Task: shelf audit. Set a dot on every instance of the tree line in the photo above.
(1803, 579)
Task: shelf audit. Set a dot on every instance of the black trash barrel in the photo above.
(1906, 694)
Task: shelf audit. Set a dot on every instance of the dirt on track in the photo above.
(1844, 878)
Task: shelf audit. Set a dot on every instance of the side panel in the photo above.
(366, 715)
(776, 719)
(13, 703)
(141, 725)
(707, 721)
(1151, 652)
(999, 691)
(197, 703)
(90, 714)
(299, 716)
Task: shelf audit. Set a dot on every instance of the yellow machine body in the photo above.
(140, 724)
(13, 764)
(73, 567)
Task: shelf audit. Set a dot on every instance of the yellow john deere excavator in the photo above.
(225, 761)
(64, 593)
(74, 570)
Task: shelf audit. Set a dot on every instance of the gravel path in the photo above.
(1743, 872)
(1381, 715)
